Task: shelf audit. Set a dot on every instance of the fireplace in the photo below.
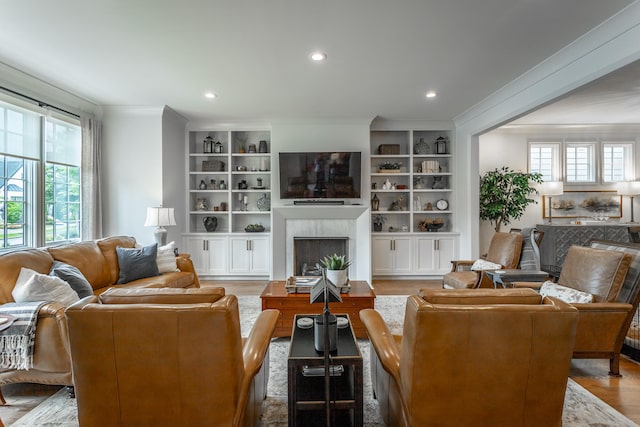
(308, 251)
(350, 222)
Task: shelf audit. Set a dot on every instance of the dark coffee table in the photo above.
(306, 391)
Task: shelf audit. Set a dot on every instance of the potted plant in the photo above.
(504, 195)
(378, 220)
(388, 166)
(336, 266)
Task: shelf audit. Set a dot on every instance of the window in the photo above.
(580, 162)
(544, 159)
(583, 163)
(617, 164)
(39, 177)
(62, 181)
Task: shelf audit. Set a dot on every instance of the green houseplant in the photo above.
(505, 194)
(336, 266)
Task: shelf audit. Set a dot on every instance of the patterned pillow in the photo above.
(482, 264)
(551, 289)
(166, 259)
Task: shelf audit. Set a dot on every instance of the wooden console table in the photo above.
(275, 296)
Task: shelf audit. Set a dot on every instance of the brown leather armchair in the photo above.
(499, 357)
(149, 357)
(609, 271)
(504, 249)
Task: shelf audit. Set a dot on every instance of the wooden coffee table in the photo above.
(275, 296)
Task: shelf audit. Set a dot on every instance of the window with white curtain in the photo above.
(544, 158)
(580, 162)
(617, 161)
(39, 176)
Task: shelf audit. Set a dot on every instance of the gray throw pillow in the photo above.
(73, 277)
(137, 263)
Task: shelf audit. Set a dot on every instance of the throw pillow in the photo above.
(33, 286)
(528, 256)
(570, 295)
(73, 277)
(483, 264)
(137, 263)
(166, 259)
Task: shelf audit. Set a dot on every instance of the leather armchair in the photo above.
(504, 249)
(609, 271)
(499, 357)
(149, 357)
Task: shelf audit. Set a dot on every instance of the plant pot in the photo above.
(338, 277)
(377, 227)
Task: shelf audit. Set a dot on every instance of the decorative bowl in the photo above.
(254, 228)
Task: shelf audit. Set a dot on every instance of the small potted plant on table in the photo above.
(336, 266)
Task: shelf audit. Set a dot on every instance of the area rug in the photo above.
(581, 408)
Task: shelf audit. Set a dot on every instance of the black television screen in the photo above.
(320, 175)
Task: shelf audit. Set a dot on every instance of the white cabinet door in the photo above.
(217, 255)
(260, 255)
(434, 254)
(391, 255)
(240, 255)
(402, 255)
(249, 256)
(382, 260)
(425, 255)
(209, 255)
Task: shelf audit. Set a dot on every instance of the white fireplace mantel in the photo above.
(352, 221)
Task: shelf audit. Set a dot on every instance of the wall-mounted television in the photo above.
(320, 175)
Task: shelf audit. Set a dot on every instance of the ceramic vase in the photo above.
(338, 277)
(210, 223)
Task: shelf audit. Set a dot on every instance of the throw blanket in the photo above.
(17, 342)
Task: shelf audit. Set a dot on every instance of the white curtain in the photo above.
(91, 178)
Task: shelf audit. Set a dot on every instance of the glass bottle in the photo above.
(212, 184)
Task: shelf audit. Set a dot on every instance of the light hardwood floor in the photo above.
(623, 393)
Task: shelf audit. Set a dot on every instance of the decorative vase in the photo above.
(264, 203)
(338, 277)
(203, 185)
(262, 147)
(210, 223)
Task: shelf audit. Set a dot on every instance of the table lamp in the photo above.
(551, 188)
(629, 188)
(160, 217)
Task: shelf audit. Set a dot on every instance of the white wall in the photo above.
(132, 170)
(173, 169)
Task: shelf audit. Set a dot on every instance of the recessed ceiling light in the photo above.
(210, 95)
(431, 94)
(318, 56)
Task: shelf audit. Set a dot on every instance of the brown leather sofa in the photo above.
(172, 357)
(604, 272)
(98, 262)
(473, 356)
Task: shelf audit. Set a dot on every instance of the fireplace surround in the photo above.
(351, 222)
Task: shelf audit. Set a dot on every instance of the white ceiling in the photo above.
(382, 55)
(612, 99)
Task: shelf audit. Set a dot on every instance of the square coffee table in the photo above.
(275, 296)
(505, 278)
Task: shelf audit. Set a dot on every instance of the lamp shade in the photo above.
(551, 188)
(159, 217)
(629, 188)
